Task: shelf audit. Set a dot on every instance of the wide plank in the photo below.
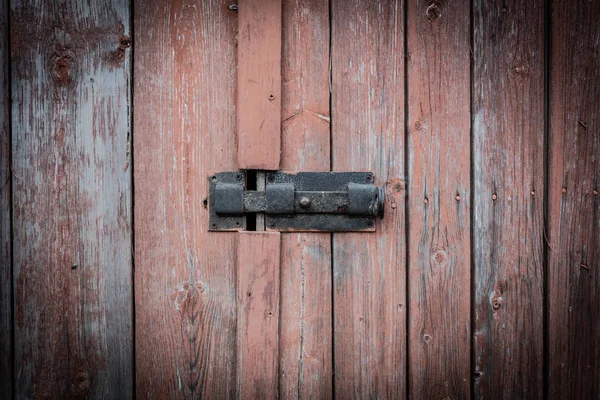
(368, 135)
(258, 315)
(439, 264)
(259, 84)
(306, 324)
(184, 130)
(573, 201)
(508, 198)
(72, 201)
(6, 312)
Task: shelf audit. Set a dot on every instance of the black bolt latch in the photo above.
(305, 201)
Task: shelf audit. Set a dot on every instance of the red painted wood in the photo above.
(72, 199)
(573, 202)
(368, 135)
(439, 198)
(184, 127)
(306, 326)
(259, 84)
(6, 312)
(258, 314)
(508, 155)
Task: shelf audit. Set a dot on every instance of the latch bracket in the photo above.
(303, 201)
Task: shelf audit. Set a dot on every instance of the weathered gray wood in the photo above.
(185, 129)
(508, 154)
(439, 267)
(368, 135)
(574, 202)
(72, 199)
(6, 320)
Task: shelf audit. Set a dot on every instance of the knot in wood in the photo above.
(80, 385)
(434, 11)
(439, 257)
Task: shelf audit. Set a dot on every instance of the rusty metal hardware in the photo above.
(304, 201)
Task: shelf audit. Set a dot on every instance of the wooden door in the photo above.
(479, 119)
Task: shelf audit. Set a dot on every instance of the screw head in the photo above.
(304, 202)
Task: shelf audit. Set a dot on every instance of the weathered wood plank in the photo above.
(573, 201)
(439, 196)
(368, 135)
(259, 84)
(6, 312)
(72, 199)
(184, 126)
(306, 326)
(258, 314)
(508, 155)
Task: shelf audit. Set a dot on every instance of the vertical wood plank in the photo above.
(439, 177)
(306, 325)
(508, 155)
(72, 199)
(573, 201)
(184, 125)
(6, 312)
(258, 314)
(368, 135)
(259, 84)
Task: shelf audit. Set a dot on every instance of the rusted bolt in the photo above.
(304, 202)
(458, 197)
(494, 196)
(564, 190)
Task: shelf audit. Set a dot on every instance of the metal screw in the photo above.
(564, 190)
(494, 196)
(304, 202)
(393, 205)
(271, 97)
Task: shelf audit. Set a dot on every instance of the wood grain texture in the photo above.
(368, 135)
(6, 312)
(258, 314)
(573, 201)
(259, 84)
(439, 217)
(72, 199)
(306, 325)
(508, 156)
(184, 126)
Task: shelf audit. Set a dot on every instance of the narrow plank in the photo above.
(573, 201)
(368, 135)
(508, 154)
(258, 314)
(184, 127)
(6, 312)
(439, 196)
(306, 325)
(259, 84)
(72, 199)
